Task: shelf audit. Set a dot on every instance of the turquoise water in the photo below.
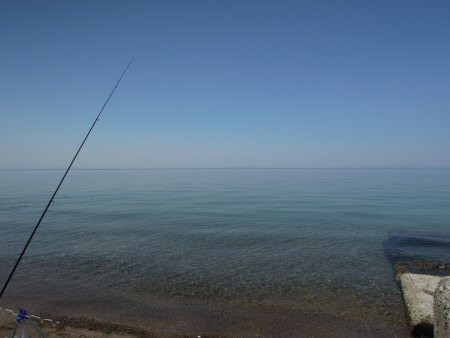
(287, 238)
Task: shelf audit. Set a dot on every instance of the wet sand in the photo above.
(123, 313)
(308, 326)
(219, 321)
(83, 330)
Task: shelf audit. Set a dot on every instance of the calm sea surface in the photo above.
(286, 238)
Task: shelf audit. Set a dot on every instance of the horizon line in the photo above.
(223, 168)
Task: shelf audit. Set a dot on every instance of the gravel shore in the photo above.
(223, 323)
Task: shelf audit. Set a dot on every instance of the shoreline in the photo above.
(194, 321)
(96, 311)
(128, 313)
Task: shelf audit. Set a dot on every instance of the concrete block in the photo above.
(418, 295)
(442, 309)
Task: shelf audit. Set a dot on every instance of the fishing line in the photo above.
(59, 185)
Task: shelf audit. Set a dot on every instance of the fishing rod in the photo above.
(60, 182)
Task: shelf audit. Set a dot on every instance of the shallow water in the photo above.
(317, 239)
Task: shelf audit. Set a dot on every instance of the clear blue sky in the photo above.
(226, 83)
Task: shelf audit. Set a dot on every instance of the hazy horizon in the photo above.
(234, 168)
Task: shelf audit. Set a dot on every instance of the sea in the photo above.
(154, 243)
